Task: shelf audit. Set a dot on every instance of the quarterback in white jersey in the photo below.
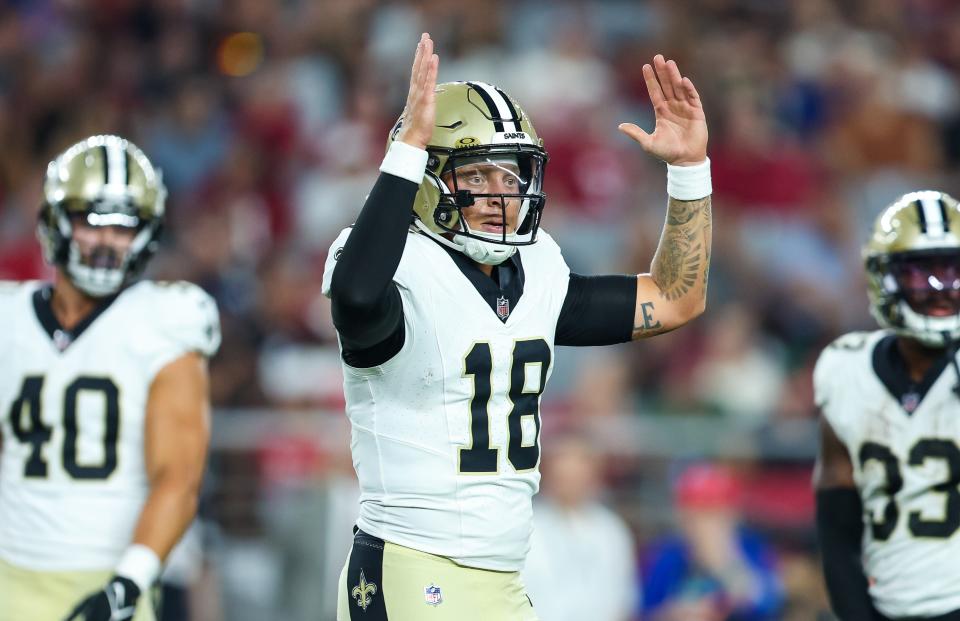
(103, 399)
(888, 477)
(447, 328)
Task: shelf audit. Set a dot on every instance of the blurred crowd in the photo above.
(269, 118)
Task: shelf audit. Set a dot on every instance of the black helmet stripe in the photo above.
(513, 110)
(501, 110)
(106, 164)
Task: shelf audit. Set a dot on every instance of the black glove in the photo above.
(117, 601)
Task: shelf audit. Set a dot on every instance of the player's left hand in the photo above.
(680, 135)
(117, 601)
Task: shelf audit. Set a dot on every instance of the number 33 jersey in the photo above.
(72, 410)
(904, 442)
(445, 435)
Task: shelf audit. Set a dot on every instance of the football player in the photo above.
(888, 503)
(103, 398)
(448, 325)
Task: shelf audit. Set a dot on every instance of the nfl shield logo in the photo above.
(910, 401)
(432, 595)
(503, 307)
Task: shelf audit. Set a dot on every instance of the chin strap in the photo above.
(951, 345)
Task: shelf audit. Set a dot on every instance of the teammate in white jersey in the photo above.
(888, 503)
(447, 329)
(103, 398)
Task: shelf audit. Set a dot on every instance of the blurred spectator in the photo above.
(714, 569)
(581, 562)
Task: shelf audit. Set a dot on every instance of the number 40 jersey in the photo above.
(903, 442)
(72, 410)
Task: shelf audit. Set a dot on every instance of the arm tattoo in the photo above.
(681, 262)
(650, 325)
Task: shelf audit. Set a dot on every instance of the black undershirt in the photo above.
(891, 368)
(368, 312)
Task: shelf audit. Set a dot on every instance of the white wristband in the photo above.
(405, 161)
(141, 565)
(689, 183)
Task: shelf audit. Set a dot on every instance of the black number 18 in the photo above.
(480, 457)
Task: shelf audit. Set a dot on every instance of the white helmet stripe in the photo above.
(932, 217)
(504, 110)
(116, 166)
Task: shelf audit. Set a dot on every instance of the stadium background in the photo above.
(269, 117)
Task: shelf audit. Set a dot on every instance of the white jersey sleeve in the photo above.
(332, 256)
(186, 319)
(839, 364)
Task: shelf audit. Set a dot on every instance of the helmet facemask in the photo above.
(919, 294)
(499, 189)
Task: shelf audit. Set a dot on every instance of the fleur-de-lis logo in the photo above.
(364, 592)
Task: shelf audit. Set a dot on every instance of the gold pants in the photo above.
(27, 595)
(382, 581)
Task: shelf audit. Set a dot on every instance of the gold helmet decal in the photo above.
(912, 261)
(101, 181)
(478, 124)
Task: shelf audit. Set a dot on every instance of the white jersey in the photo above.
(445, 435)
(906, 463)
(72, 477)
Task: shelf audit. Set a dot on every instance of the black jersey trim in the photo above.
(922, 217)
(506, 281)
(892, 371)
(61, 337)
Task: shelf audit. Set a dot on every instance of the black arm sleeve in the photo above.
(598, 310)
(839, 532)
(366, 306)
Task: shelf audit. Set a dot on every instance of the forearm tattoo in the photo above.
(682, 261)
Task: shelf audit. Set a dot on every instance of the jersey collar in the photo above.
(502, 289)
(891, 368)
(61, 337)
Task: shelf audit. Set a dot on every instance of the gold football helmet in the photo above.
(101, 181)
(913, 267)
(478, 124)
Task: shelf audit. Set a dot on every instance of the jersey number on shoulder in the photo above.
(480, 457)
(924, 449)
(29, 428)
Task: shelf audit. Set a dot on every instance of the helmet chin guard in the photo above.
(488, 253)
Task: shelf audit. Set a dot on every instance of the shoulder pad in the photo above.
(187, 315)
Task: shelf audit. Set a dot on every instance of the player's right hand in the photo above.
(117, 601)
(419, 113)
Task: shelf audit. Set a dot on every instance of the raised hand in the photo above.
(680, 135)
(419, 113)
